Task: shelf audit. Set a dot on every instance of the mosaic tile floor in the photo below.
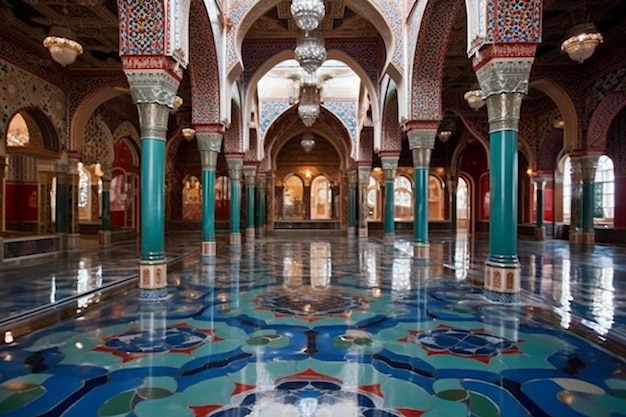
(324, 326)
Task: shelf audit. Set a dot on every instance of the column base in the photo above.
(540, 233)
(62, 241)
(73, 241)
(235, 239)
(575, 236)
(389, 239)
(250, 233)
(153, 280)
(588, 238)
(260, 232)
(351, 231)
(502, 282)
(208, 248)
(421, 250)
(363, 233)
(105, 238)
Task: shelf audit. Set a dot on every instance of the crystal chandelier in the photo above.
(310, 52)
(307, 14)
(307, 142)
(474, 99)
(582, 44)
(308, 113)
(61, 45)
(309, 107)
(444, 135)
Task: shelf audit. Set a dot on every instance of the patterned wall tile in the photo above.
(517, 21)
(142, 30)
(20, 89)
(203, 68)
(270, 111)
(346, 111)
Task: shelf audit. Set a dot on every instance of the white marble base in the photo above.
(421, 251)
(362, 233)
(235, 239)
(73, 241)
(152, 275)
(389, 239)
(209, 248)
(250, 233)
(503, 280)
(105, 238)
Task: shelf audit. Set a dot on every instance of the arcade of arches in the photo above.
(105, 147)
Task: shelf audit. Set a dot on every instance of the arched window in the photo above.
(462, 204)
(293, 193)
(192, 198)
(222, 198)
(84, 193)
(373, 198)
(567, 190)
(403, 198)
(604, 192)
(436, 203)
(321, 198)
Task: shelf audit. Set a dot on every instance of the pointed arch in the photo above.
(567, 109)
(204, 72)
(610, 106)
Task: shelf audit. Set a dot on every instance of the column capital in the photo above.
(588, 164)
(504, 75)
(249, 175)
(352, 178)
(363, 172)
(152, 86)
(235, 165)
(422, 138)
(209, 145)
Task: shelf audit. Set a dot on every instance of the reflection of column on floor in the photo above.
(207, 276)
(235, 266)
(152, 325)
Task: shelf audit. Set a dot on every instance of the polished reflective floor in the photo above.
(315, 325)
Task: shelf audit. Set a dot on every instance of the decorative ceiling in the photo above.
(96, 24)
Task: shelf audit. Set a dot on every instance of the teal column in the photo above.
(209, 145)
(105, 207)
(576, 204)
(503, 82)
(452, 187)
(540, 186)
(390, 164)
(235, 167)
(249, 175)
(589, 163)
(261, 184)
(352, 187)
(364, 178)
(62, 200)
(153, 92)
(421, 143)
(503, 206)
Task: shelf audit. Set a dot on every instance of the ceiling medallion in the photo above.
(310, 52)
(307, 142)
(307, 14)
(582, 42)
